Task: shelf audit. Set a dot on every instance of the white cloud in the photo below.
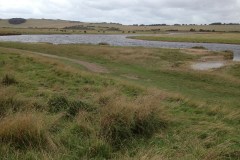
(125, 11)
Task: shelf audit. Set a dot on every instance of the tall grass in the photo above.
(26, 130)
(8, 80)
(9, 102)
(122, 120)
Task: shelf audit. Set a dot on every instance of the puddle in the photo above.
(207, 65)
(236, 57)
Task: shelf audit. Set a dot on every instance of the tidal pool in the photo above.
(207, 65)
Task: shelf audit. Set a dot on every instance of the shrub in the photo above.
(228, 54)
(8, 80)
(113, 29)
(192, 30)
(17, 21)
(198, 47)
(103, 44)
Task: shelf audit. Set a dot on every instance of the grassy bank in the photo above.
(228, 38)
(149, 106)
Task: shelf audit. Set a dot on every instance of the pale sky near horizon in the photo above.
(125, 11)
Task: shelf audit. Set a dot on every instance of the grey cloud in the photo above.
(127, 12)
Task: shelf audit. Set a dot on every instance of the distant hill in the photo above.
(13, 23)
(37, 23)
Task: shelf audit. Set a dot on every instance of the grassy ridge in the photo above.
(228, 38)
(63, 112)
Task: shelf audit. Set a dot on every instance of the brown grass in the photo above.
(123, 120)
(24, 130)
(8, 80)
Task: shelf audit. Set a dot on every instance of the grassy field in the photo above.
(229, 38)
(149, 105)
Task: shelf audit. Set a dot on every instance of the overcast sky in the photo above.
(125, 11)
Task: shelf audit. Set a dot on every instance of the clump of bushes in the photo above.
(16, 21)
(8, 80)
(228, 54)
(103, 44)
(192, 30)
(113, 29)
(198, 47)
(172, 30)
(203, 30)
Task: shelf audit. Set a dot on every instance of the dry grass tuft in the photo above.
(145, 154)
(8, 80)
(85, 124)
(9, 101)
(26, 130)
(123, 120)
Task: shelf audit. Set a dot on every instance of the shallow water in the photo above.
(118, 40)
(207, 65)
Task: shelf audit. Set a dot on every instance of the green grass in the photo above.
(66, 112)
(156, 67)
(229, 38)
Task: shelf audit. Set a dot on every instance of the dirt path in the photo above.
(90, 66)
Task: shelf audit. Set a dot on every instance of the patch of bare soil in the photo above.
(212, 58)
(195, 51)
(90, 66)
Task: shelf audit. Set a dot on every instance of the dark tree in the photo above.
(216, 23)
(17, 21)
(192, 30)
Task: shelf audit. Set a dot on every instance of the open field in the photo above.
(228, 38)
(148, 104)
(45, 26)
